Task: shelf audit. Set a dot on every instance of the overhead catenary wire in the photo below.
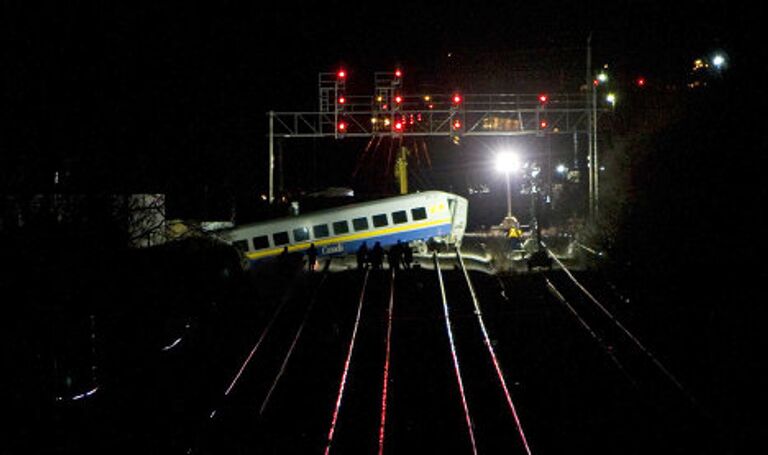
(348, 360)
(492, 353)
(456, 367)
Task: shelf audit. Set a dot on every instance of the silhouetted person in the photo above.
(362, 256)
(407, 256)
(311, 257)
(376, 256)
(284, 255)
(393, 258)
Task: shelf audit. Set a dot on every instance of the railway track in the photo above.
(383, 361)
(439, 358)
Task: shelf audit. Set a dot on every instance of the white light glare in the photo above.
(718, 61)
(602, 77)
(561, 169)
(507, 162)
(611, 98)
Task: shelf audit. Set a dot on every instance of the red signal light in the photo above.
(398, 99)
(342, 100)
(640, 81)
(456, 124)
(341, 74)
(456, 98)
(398, 73)
(398, 126)
(543, 124)
(543, 98)
(342, 126)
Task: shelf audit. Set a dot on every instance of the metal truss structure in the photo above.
(438, 115)
(391, 113)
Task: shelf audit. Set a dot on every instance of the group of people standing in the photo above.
(398, 255)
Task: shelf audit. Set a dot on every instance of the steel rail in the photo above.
(665, 371)
(608, 351)
(456, 367)
(345, 371)
(295, 341)
(385, 380)
(492, 353)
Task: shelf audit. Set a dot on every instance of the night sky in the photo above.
(173, 98)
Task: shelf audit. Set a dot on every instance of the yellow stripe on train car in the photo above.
(347, 238)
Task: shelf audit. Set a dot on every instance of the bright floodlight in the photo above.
(561, 169)
(507, 162)
(611, 98)
(718, 61)
(602, 77)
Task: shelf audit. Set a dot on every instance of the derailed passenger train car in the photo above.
(420, 217)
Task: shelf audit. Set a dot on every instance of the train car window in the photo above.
(260, 242)
(380, 220)
(360, 224)
(320, 231)
(399, 217)
(241, 245)
(340, 227)
(419, 213)
(280, 238)
(300, 234)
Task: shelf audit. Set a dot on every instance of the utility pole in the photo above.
(589, 108)
(271, 156)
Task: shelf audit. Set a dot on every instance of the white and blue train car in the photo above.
(430, 215)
